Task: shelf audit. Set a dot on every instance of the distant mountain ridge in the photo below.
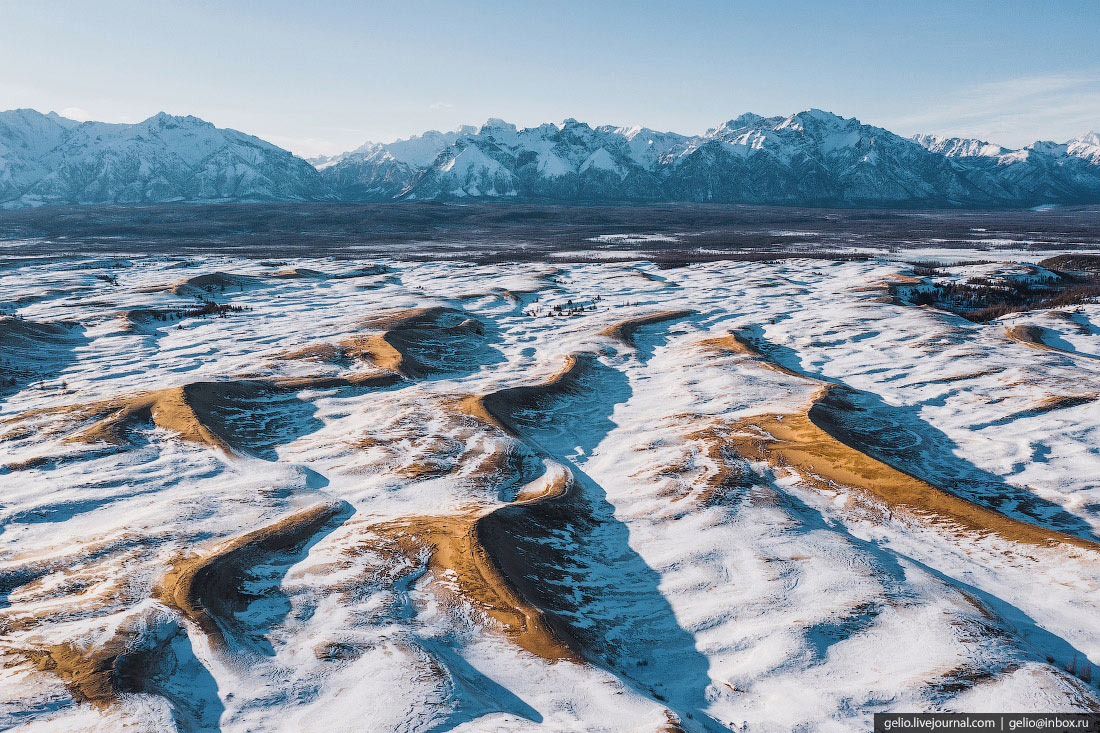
(809, 158)
(48, 159)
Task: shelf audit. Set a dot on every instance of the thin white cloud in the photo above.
(440, 105)
(1014, 112)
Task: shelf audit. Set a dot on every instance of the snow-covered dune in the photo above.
(312, 494)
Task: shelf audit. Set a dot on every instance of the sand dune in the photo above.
(420, 342)
(140, 318)
(741, 342)
(475, 549)
(795, 441)
(623, 331)
(206, 588)
(348, 351)
(297, 273)
(496, 533)
(20, 333)
(1029, 336)
(813, 444)
(554, 509)
(487, 573)
(1038, 337)
(97, 672)
(1055, 402)
(726, 477)
(196, 412)
(202, 285)
(32, 350)
(326, 353)
(499, 408)
(187, 411)
(371, 380)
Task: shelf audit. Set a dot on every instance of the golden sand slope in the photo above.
(357, 348)
(414, 340)
(205, 588)
(497, 531)
(462, 550)
(473, 549)
(373, 380)
(739, 342)
(298, 273)
(815, 447)
(1029, 336)
(466, 566)
(524, 572)
(623, 331)
(499, 408)
(185, 410)
(191, 411)
(97, 674)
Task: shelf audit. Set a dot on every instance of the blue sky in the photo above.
(325, 76)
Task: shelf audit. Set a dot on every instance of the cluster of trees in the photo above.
(568, 309)
(980, 299)
(210, 308)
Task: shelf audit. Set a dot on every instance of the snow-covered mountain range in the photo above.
(809, 158)
(48, 159)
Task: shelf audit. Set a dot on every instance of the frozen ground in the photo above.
(328, 511)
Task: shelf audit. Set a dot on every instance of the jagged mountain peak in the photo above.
(495, 124)
(817, 118)
(745, 119)
(959, 147)
(165, 120)
(1047, 147)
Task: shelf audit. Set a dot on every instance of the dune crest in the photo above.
(462, 550)
(812, 443)
(194, 412)
(206, 588)
(741, 342)
(1029, 335)
(418, 342)
(499, 408)
(201, 285)
(623, 331)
